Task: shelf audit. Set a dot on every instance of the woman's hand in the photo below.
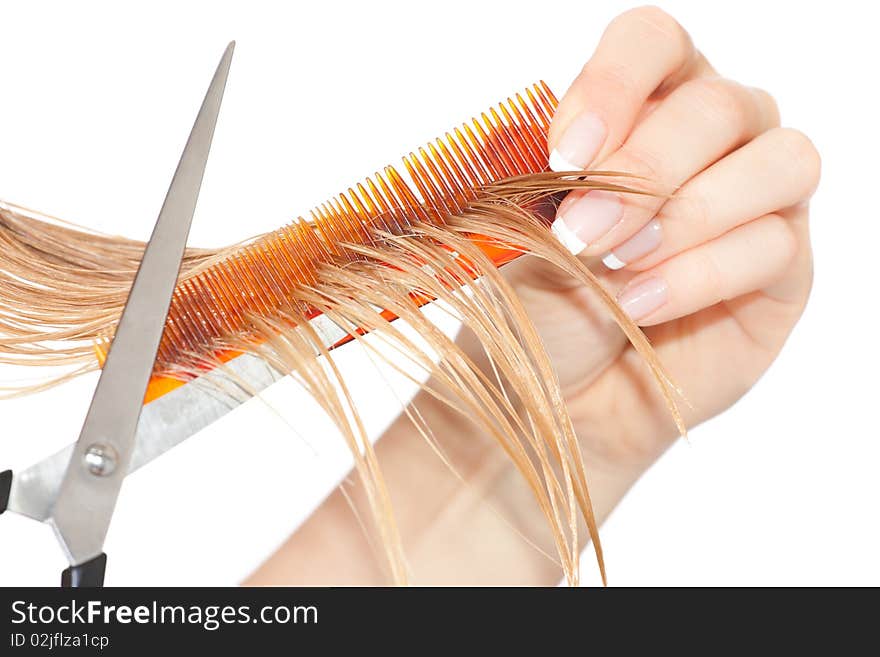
(718, 274)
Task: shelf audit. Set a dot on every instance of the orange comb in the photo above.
(444, 177)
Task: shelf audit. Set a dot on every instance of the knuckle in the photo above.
(801, 156)
(658, 20)
(723, 101)
(652, 25)
(693, 213)
(768, 104)
(612, 82)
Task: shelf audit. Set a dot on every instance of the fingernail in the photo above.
(583, 220)
(636, 247)
(580, 143)
(645, 297)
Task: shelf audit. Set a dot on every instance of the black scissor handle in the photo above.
(89, 574)
(5, 488)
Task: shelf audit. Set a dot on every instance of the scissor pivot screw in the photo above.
(101, 459)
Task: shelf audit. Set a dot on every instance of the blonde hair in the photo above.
(371, 256)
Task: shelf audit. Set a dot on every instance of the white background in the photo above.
(96, 105)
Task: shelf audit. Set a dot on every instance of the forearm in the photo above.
(450, 533)
(466, 530)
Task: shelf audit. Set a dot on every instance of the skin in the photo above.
(743, 191)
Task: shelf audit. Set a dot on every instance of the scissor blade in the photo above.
(89, 489)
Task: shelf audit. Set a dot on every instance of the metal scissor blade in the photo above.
(88, 492)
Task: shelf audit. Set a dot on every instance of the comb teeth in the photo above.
(444, 177)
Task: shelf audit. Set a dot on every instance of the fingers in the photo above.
(696, 125)
(598, 111)
(774, 171)
(747, 259)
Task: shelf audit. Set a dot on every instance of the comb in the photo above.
(439, 180)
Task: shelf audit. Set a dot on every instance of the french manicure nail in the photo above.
(643, 298)
(636, 247)
(583, 220)
(580, 143)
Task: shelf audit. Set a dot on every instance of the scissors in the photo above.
(75, 490)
